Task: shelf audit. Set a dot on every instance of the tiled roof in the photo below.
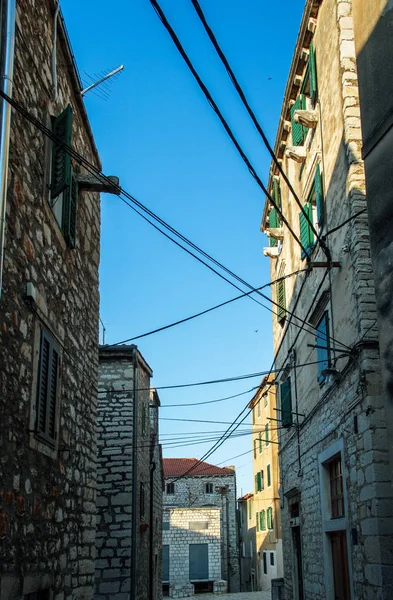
(176, 467)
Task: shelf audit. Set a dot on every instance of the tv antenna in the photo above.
(102, 79)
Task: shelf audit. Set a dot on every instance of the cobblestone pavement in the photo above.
(240, 596)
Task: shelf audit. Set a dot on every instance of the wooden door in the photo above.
(340, 565)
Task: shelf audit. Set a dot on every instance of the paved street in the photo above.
(240, 596)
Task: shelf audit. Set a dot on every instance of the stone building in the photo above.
(200, 548)
(247, 543)
(129, 478)
(266, 512)
(335, 488)
(49, 309)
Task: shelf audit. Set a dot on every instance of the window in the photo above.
(257, 520)
(299, 132)
(250, 508)
(262, 480)
(262, 515)
(165, 525)
(142, 501)
(251, 549)
(315, 210)
(274, 218)
(40, 595)
(269, 478)
(170, 488)
(265, 563)
(255, 448)
(208, 488)
(336, 488)
(260, 442)
(323, 346)
(48, 389)
(63, 183)
(286, 403)
(267, 434)
(258, 482)
(144, 420)
(269, 517)
(309, 87)
(280, 297)
(265, 396)
(272, 559)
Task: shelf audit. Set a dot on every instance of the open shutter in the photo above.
(259, 481)
(257, 520)
(286, 403)
(70, 207)
(298, 131)
(322, 340)
(306, 234)
(281, 300)
(263, 520)
(260, 442)
(266, 435)
(277, 191)
(319, 196)
(61, 160)
(312, 73)
(274, 222)
(47, 388)
(52, 392)
(42, 383)
(269, 479)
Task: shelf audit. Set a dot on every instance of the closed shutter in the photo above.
(269, 518)
(70, 207)
(256, 484)
(277, 192)
(165, 563)
(259, 481)
(306, 234)
(263, 520)
(61, 160)
(269, 479)
(260, 442)
(47, 388)
(322, 340)
(274, 222)
(199, 562)
(257, 520)
(319, 196)
(267, 435)
(281, 300)
(312, 73)
(286, 403)
(298, 131)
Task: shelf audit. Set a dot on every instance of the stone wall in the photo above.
(47, 495)
(115, 441)
(191, 492)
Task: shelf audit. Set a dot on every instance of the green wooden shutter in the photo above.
(286, 403)
(323, 353)
(263, 520)
(52, 396)
(281, 300)
(274, 222)
(269, 479)
(266, 435)
(70, 209)
(61, 160)
(298, 131)
(306, 234)
(259, 481)
(277, 192)
(312, 73)
(319, 196)
(47, 388)
(262, 480)
(256, 484)
(270, 518)
(42, 383)
(260, 442)
(257, 520)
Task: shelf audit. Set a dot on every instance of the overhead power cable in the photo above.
(229, 131)
(94, 170)
(251, 113)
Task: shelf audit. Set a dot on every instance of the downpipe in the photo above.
(7, 69)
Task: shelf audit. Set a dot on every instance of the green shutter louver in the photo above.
(323, 341)
(286, 403)
(260, 443)
(274, 222)
(61, 160)
(306, 234)
(312, 73)
(259, 481)
(319, 196)
(47, 388)
(298, 131)
(269, 514)
(277, 192)
(257, 520)
(70, 208)
(269, 477)
(267, 435)
(281, 300)
(263, 520)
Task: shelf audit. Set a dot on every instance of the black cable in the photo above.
(212, 103)
(209, 401)
(251, 113)
(345, 222)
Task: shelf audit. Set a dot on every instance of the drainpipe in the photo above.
(134, 520)
(54, 51)
(7, 68)
(153, 574)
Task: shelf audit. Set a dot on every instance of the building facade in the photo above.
(266, 501)
(200, 548)
(129, 479)
(247, 543)
(49, 310)
(335, 488)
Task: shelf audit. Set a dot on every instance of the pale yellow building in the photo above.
(266, 501)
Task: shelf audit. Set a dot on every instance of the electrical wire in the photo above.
(209, 401)
(251, 113)
(229, 131)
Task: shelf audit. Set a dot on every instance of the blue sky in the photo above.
(159, 135)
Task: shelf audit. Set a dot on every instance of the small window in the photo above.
(272, 559)
(269, 478)
(265, 563)
(142, 501)
(208, 488)
(170, 488)
(48, 389)
(286, 403)
(267, 434)
(323, 346)
(63, 183)
(336, 488)
(165, 525)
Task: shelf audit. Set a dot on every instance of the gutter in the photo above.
(134, 496)
(7, 68)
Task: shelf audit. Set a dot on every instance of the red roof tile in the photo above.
(176, 467)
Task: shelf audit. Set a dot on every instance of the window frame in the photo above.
(209, 486)
(170, 486)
